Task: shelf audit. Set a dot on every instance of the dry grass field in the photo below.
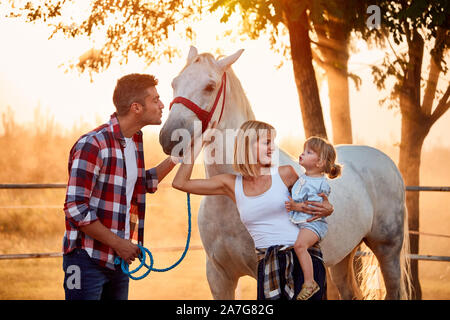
(33, 220)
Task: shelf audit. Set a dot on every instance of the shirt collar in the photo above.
(117, 133)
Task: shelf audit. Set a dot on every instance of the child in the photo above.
(318, 158)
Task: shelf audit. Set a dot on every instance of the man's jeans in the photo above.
(84, 279)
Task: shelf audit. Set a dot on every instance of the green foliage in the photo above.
(406, 22)
(125, 27)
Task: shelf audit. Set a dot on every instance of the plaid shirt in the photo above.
(97, 190)
(273, 272)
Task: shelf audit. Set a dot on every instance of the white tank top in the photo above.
(265, 215)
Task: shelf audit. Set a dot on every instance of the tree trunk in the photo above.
(339, 106)
(305, 78)
(334, 49)
(415, 127)
(412, 138)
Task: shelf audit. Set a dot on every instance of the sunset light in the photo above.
(376, 104)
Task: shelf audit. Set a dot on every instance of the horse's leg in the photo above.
(386, 240)
(388, 255)
(222, 285)
(343, 277)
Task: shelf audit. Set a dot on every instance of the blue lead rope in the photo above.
(145, 251)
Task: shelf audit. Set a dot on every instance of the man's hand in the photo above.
(127, 250)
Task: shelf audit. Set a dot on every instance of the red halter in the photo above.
(203, 115)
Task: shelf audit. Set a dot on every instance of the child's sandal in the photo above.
(308, 291)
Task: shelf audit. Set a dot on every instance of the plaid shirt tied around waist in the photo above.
(97, 190)
(272, 272)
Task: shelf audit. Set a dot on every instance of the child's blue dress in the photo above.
(307, 189)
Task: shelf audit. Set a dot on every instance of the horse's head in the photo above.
(199, 83)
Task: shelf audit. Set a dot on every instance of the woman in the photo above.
(260, 191)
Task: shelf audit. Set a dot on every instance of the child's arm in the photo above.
(291, 205)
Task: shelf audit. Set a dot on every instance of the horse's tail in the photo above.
(406, 286)
(368, 274)
(352, 276)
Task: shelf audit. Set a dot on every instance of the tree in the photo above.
(135, 26)
(125, 27)
(333, 42)
(260, 16)
(330, 24)
(333, 23)
(420, 25)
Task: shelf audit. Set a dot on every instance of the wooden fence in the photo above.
(199, 247)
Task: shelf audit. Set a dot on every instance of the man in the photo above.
(105, 199)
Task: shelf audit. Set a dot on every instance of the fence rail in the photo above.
(195, 247)
(411, 256)
(199, 247)
(60, 254)
(33, 185)
(421, 188)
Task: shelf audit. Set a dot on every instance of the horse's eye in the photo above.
(210, 87)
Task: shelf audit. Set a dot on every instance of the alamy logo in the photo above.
(74, 280)
(375, 17)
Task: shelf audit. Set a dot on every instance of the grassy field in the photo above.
(33, 221)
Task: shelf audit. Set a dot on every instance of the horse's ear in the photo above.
(193, 52)
(226, 62)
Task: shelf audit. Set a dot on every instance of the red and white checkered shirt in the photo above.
(97, 190)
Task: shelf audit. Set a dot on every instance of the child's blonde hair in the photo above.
(245, 159)
(327, 153)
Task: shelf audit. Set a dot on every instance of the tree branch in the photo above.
(317, 59)
(442, 107)
(433, 77)
(402, 73)
(430, 90)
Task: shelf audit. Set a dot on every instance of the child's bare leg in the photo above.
(306, 239)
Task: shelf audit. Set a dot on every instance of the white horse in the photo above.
(368, 199)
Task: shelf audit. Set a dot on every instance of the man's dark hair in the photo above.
(132, 88)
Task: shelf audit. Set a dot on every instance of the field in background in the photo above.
(33, 220)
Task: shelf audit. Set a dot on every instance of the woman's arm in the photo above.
(222, 184)
(216, 185)
(319, 209)
(288, 175)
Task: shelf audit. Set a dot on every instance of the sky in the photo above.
(31, 76)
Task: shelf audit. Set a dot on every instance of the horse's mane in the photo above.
(233, 82)
(241, 97)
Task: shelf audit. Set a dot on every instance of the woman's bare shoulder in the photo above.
(228, 182)
(288, 174)
(226, 178)
(287, 171)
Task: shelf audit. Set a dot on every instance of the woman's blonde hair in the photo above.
(327, 153)
(245, 159)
